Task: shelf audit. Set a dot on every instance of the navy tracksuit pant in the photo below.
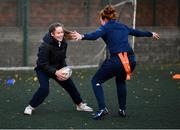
(112, 68)
(43, 90)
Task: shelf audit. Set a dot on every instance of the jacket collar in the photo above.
(50, 40)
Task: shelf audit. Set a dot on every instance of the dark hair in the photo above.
(53, 27)
(108, 13)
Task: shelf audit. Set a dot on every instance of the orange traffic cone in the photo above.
(176, 76)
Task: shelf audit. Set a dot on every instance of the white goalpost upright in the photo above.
(134, 21)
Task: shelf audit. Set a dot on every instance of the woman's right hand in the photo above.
(60, 76)
(155, 35)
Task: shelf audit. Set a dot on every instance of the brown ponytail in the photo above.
(108, 13)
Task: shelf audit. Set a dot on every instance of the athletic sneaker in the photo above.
(122, 113)
(83, 107)
(28, 110)
(100, 114)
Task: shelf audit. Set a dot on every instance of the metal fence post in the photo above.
(154, 13)
(25, 31)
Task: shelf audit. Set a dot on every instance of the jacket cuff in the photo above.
(82, 35)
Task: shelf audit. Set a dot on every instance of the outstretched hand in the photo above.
(76, 36)
(155, 35)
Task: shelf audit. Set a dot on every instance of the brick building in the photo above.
(84, 12)
(162, 16)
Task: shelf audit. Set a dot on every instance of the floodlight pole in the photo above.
(25, 31)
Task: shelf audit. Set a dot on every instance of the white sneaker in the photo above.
(83, 107)
(28, 110)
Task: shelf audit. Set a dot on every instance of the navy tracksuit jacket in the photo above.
(115, 35)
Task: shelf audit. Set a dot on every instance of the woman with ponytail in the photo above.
(122, 61)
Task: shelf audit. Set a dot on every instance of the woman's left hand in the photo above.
(60, 76)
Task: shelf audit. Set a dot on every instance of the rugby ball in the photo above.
(67, 71)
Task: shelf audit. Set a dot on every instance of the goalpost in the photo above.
(134, 21)
(88, 54)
